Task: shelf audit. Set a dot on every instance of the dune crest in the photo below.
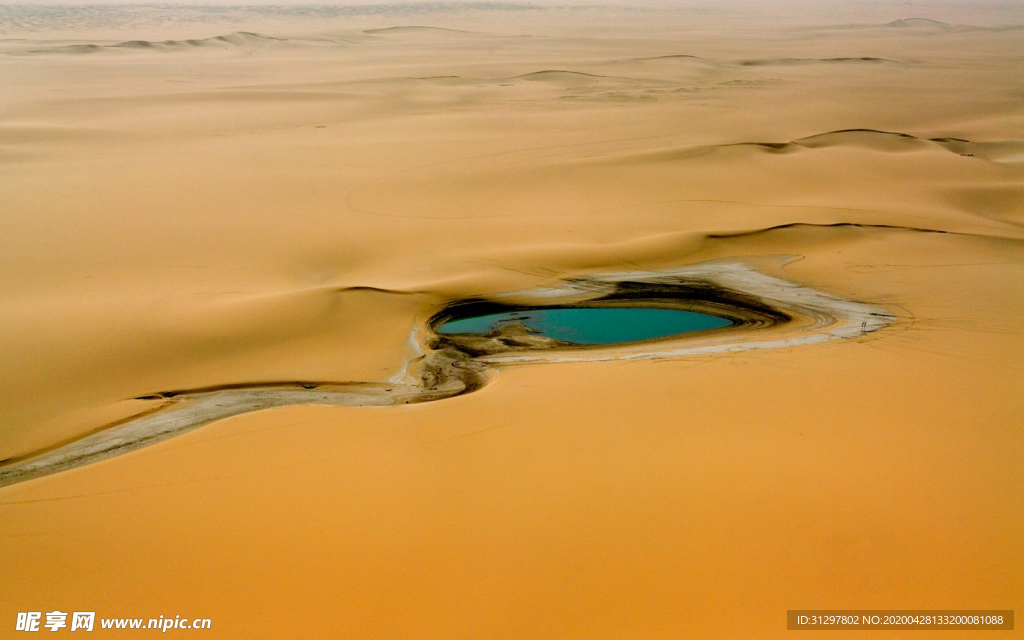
(414, 29)
(920, 23)
(679, 57)
(558, 75)
(809, 61)
(873, 140)
(236, 40)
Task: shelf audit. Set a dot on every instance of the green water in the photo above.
(592, 325)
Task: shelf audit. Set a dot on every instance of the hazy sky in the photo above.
(910, 5)
(981, 12)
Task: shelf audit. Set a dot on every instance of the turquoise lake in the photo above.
(592, 325)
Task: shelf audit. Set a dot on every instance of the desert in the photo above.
(232, 238)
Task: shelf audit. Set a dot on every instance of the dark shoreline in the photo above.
(740, 309)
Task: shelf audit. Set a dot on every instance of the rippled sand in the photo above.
(194, 199)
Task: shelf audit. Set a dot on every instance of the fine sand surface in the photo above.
(250, 200)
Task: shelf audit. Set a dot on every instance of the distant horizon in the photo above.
(911, 8)
(1002, 11)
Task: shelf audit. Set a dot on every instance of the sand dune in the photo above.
(238, 39)
(240, 226)
(926, 24)
(799, 61)
(893, 142)
(567, 78)
(872, 140)
(414, 30)
(930, 26)
(920, 23)
(680, 57)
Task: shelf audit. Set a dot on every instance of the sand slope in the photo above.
(196, 201)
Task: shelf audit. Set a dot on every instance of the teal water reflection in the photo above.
(592, 325)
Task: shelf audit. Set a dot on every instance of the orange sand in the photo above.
(191, 215)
